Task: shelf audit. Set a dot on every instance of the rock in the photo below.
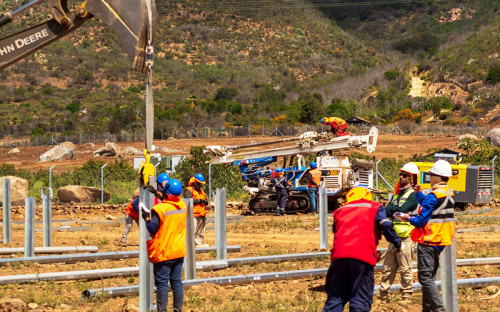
(14, 151)
(81, 194)
(18, 189)
(493, 137)
(12, 305)
(109, 149)
(130, 150)
(66, 307)
(32, 306)
(491, 290)
(131, 308)
(110, 217)
(467, 136)
(63, 151)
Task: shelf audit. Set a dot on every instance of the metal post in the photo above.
(376, 174)
(80, 139)
(209, 183)
(50, 176)
(449, 278)
(145, 267)
(29, 227)
(189, 260)
(220, 224)
(493, 177)
(7, 225)
(156, 165)
(262, 129)
(47, 218)
(249, 133)
(102, 183)
(323, 224)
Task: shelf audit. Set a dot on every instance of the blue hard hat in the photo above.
(162, 177)
(173, 187)
(313, 165)
(199, 178)
(322, 121)
(279, 170)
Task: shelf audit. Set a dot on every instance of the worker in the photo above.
(132, 210)
(281, 186)
(195, 191)
(313, 176)
(434, 226)
(357, 227)
(404, 200)
(167, 247)
(338, 125)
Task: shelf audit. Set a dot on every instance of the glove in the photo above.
(145, 215)
(206, 202)
(151, 188)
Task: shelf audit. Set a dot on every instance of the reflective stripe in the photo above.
(172, 212)
(384, 221)
(356, 205)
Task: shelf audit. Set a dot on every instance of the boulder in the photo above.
(493, 137)
(467, 136)
(18, 189)
(130, 150)
(14, 151)
(63, 151)
(81, 194)
(12, 305)
(109, 149)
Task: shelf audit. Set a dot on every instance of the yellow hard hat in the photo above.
(358, 192)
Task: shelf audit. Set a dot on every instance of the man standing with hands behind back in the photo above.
(200, 202)
(434, 229)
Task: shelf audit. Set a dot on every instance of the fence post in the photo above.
(323, 223)
(493, 177)
(7, 225)
(262, 129)
(50, 176)
(376, 174)
(220, 224)
(190, 261)
(47, 217)
(102, 183)
(29, 227)
(449, 278)
(210, 183)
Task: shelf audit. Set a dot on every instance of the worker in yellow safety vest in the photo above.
(200, 202)
(403, 201)
(434, 229)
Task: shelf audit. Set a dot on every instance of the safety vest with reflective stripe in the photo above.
(403, 229)
(170, 240)
(199, 210)
(131, 211)
(315, 176)
(356, 235)
(440, 228)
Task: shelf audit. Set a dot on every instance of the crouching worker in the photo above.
(132, 210)
(167, 246)
(358, 226)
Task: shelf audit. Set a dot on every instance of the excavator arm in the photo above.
(129, 20)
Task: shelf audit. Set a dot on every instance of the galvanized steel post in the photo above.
(156, 165)
(47, 217)
(29, 227)
(50, 176)
(220, 224)
(449, 278)
(210, 184)
(145, 267)
(376, 174)
(493, 177)
(102, 183)
(7, 225)
(189, 261)
(323, 224)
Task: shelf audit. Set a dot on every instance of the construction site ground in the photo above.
(258, 235)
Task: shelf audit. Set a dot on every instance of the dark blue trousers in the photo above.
(281, 197)
(349, 280)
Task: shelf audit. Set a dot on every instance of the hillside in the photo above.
(261, 62)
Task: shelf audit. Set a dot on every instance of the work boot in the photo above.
(282, 212)
(277, 212)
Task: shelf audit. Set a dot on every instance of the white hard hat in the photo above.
(411, 168)
(441, 168)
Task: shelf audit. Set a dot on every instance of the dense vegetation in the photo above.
(271, 62)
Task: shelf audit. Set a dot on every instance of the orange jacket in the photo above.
(199, 209)
(440, 228)
(170, 240)
(316, 177)
(130, 210)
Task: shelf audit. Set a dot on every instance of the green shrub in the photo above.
(493, 75)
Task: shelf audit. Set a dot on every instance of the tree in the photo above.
(311, 108)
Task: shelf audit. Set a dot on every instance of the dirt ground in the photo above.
(387, 146)
(257, 235)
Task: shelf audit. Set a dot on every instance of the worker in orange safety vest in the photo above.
(195, 191)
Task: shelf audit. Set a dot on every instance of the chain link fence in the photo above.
(404, 128)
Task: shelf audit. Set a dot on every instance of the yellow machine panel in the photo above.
(456, 182)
